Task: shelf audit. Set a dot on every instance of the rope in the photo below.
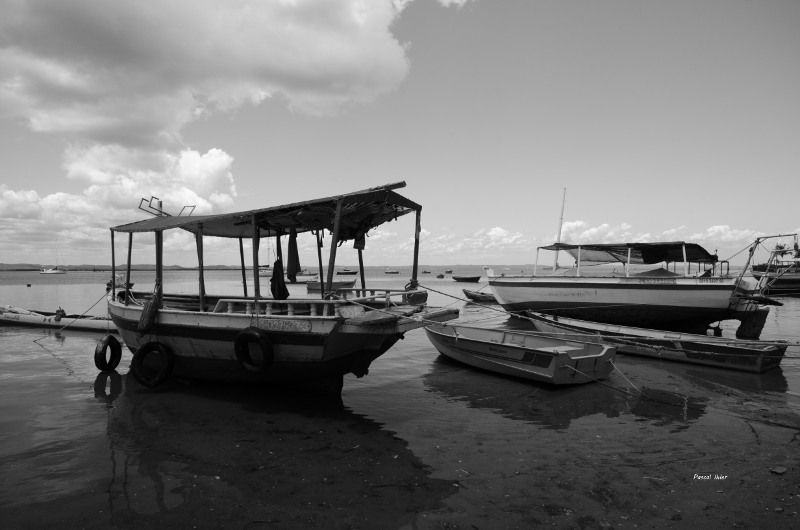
(76, 318)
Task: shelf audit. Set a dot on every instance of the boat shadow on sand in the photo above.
(253, 456)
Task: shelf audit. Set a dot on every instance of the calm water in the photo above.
(56, 411)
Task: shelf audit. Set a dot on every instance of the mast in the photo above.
(560, 222)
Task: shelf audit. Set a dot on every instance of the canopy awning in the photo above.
(640, 253)
(360, 212)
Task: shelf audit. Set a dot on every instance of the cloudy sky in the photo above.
(673, 120)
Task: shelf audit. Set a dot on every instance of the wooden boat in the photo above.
(312, 341)
(529, 356)
(476, 296)
(316, 286)
(745, 355)
(702, 292)
(15, 316)
(467, 279)
(391, 271)
(346, 272)
(448, 271)
(780, 275)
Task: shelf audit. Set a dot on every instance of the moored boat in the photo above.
(59, 319)
(780, 275)
(315, 286)
(311, 341)
(467, 279)
(528, 356)
(744, 355)
(52, 270)
(477, 296)
(690, 298)
(346, 272)
(391, 271)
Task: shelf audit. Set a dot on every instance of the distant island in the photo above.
(22, 267)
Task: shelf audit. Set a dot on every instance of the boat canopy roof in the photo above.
(640, 253)
(360, 212)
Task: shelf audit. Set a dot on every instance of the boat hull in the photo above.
(541, 359)
(305, 348)
(743, 355)
(780, 283)
(52, 321)
(659, 302)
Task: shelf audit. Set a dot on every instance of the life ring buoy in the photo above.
(151, 376)
(109, 343)
(241, 346)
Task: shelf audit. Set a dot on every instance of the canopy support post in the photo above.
(244, 274)
(256, 240)
(128, 268)
(415, 266)
(334, 242)
(201, 276)
(361, 271)
(319, 260)
(113, 268)
(159, 269)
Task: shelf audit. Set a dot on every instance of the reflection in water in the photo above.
(260, 455)
(555, 407)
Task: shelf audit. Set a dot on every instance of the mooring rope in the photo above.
(76, 318)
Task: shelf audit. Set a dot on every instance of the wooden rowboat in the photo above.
(15, 316)
(476, 296)
(529, 356)
(744, 355)
(467, 279)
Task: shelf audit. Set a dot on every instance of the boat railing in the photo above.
(357, 301)
(341, 305)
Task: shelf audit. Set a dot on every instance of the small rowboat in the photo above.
(745, 355)
(314, 286)
(16, 316)
(525, 355)
(467, 279)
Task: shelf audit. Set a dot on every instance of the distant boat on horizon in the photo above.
(54, 270)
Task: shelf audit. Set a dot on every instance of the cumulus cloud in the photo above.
(119, 81)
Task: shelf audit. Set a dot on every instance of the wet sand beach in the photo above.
(421, 442)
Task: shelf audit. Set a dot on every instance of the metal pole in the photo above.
(560, 223)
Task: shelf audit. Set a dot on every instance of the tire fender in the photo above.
(101, 361)
(146, 375)
(241, 347)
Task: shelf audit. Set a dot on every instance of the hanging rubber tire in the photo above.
(241, 346)
(101, 360)
(143, 367)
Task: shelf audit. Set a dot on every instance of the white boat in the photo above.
(781, 273)
(690, 297)
(52, 270)
(529, 356)
(312, 341)
(720, 352)
(59, 319)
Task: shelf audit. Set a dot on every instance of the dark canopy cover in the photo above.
(359, 212)
(641, 253)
